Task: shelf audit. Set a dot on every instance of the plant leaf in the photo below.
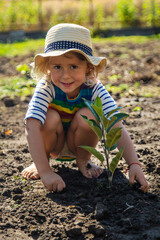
(94, 152)
(107, 122)
(113, 147)
(114, 110)
(89, 105)
(98, 102)
(119, 117)
(112, 137)
(94, 126)
(115, 160)
(98, 110)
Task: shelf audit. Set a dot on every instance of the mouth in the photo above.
(66, 84)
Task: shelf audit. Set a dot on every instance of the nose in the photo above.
(66, 74)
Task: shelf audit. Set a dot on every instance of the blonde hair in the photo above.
(42, 70)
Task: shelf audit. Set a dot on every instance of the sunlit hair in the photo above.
(42, 70)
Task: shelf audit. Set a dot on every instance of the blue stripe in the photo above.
(40, 84)
(107, 103)
(94, 90)
(39, 110)
(100, 89)
(42, 94)
(48, 92)
(104, 95)
(33, 118)
(36, 115)
(32, 105)
(36, 111)
(103, 91)
(32, 111)
(109, 107)
(42, 100)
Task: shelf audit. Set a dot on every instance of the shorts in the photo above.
(65, 156)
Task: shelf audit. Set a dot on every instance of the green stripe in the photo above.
(67, 105)
(65, 159)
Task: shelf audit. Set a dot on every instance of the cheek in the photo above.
(83, 76)
(53, 76)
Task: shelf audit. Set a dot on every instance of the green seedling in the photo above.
(16, 177)
(137, 109)
(107, 134)
(15, 205)
(23, 69)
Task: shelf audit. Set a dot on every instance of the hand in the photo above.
(136, 173)
(53, 182)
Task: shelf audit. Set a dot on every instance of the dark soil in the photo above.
(87, 208)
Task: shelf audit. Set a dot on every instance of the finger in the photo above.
(50, 189)
(145, 187)
(144, 184)
(131, 179)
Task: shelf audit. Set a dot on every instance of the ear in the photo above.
(48, 73)
(89, 68)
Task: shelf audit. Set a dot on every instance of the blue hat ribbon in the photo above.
(68, 45)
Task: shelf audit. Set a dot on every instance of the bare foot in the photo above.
(88, 169)
(30, 172)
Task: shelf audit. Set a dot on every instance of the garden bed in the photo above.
(86, 209)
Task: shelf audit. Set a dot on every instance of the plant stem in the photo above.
(106, 153)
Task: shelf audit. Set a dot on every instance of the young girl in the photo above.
(67, 72)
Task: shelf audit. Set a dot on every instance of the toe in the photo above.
(96, 171)
(89, 174)
(61, 186)
(24, 174)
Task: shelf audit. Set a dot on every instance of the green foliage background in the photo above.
(38, 14)
(23, 85)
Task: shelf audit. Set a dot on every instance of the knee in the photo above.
(53, 120)
(80, 121)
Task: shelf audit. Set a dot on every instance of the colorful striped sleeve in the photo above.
(108, 102)
(38, 105)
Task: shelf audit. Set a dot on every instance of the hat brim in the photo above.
(99, 62)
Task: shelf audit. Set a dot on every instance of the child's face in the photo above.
(68, 73)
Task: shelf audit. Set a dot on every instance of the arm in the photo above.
(36, 145)
(51, 180)
(135, 171)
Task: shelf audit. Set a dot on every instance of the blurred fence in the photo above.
(39, 15)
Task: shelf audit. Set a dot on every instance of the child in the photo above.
(67, 71)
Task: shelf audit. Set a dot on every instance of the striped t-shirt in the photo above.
(53, 97)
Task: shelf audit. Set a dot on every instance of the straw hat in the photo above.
(66, 37)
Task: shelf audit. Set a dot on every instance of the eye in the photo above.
(74, 66)
(57, 67)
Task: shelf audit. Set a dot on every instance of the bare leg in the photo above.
(53, 137)
(81, 134)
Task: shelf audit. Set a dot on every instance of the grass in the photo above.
(16, 86)
(22, 48)
(126, 39)
(23, 86)
(126, 90)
